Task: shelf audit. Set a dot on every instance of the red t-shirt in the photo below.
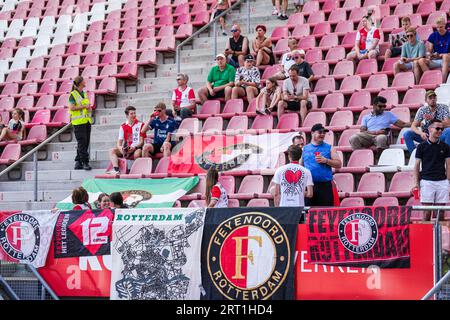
(131, 134)
(218, 193)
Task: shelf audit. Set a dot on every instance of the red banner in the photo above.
(324, 282)
(359, 237)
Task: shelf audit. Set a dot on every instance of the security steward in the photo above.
(80, 118)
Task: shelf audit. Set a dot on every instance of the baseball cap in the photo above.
(249, 57)
(430, 93)
(301, 51)
(220, 55)
(317, 127)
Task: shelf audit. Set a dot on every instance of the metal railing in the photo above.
(439, 291)
(207, 26)
(33, 152)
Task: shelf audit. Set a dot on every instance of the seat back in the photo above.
(392, 157)
(372, 181)
(252, 184)
(361, 158)
(141, 166)
(344, 182)
(352, 202)
(386, 201)
(11, 152)
(402, 181)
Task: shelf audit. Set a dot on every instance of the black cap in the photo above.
(317, 127)
(249, 57)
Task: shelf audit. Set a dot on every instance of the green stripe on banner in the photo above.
(138, 193)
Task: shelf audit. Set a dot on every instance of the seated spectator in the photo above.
(80, 199)
(419, 127)
(412, 51)
(262, 47)
(216, 195)
(164, 128)
(246, 81)
(219, 78)
(16, 127)
(130, 141)
(396, 40)
(102, 201)
(221, 6)
(183, 97)
(116, 201)
(287, 60)
(170, 115)
(304, 68)
(2, 125)
(295, 94)
(268, 98)
(237, 47)
(366, 43)
(439, 47)
(376, 127)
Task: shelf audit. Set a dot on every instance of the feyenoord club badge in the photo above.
(358, 232)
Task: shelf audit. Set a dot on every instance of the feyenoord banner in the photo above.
(137, 193)
(240, 152)
(360, 237)
(249, 255)
(83, 233)
(25, 236)
(156, 254)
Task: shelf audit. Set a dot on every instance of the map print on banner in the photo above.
(156, 254)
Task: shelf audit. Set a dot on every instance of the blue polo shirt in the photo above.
(382, 121)
(441, 44)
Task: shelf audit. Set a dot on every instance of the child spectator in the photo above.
(216, 196)
(287, 60)
(80, 199)
(268, 98)
(16, 127)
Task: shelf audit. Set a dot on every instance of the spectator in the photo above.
(221, 6)
(80, 199)
(246, 81)
(376, 127)
(262, 47)
(287, 60)
(2, 125)
(219, 78)
(295, 94)
(298, 141)
(130, 141)
(183, 97)
(237, 47)
(319, 158)
(116, 201)
(304, 68)
(16, 127)
(439, 47)
(102, 201)
(216, 195)
(366, 43)
(81, 120)
(170, 115)
(282, 6)
(299, 5)
(412, 51)
(397, 40)
(268, 98)
(431, 110)
(434, 157)
(164, 128)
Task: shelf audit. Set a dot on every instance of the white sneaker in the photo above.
(275, 12)
(113, 171)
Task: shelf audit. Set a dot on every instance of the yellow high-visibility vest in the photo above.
(82, 116)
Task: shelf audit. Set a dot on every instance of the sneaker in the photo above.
(113, 171)
(224, 33)
(283, 17)
(78, 165)
(275, 12)
(86, 166)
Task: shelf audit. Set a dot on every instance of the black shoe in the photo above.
(86, 166)
(284, 17)
(78, 165)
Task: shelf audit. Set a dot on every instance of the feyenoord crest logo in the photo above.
(358, 232)
(248, 257)
(19, 236)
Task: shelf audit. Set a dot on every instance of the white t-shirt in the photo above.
(293, 180)
(287, 61)
(218, 193)
(301, 85)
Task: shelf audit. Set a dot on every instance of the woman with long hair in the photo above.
(16, 127)
(216, 196)
(102, 201)
(80, 199)
(268, 98)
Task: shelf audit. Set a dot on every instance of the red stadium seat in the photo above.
(324, 86)
(403, 9)
(288, 122)
(359, 161)
(161, 169)
(316, 18)
(139, 168)
(402, 113)
(295, 20)
(366, 68)
(237, 124)
(25, 103)
(333, 102)
(389, 23)
(307, 42)
(338, 15)
(232, 108)
(426, 7)
(321, 29)
(329, 41)
(424, 31)
(60, 119)
(359, 100)
(30, 88)
(188, 126)
(414, 98)
(377, 82)
(7, 103)
(258, 203)
(312, 118)
(430, 79)
(185, 30)
(227, 183)
(36, 135)
(311, 7)
(320, 69)
(251, 187)
(10, 89)
(391, 96)
(40, 117)
(350, 84)
(107, 86)
(122, 169)
(198, 191)
(314, 55)
(301, 31)
(371, 185)
(388, 66)
(330, 5)
(262, 123)
(352, 202)
(10, 154)
(344, 144)
(343, 69)
(345, 183)
(335, 54)
(280, 33)
(401, 185)
(341, 120)
(403, 81)
(281, 47)
(209, 108)
(197, 204)
(386, 201)
(348, 41)
(213, 125)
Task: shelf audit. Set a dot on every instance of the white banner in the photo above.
(156, 254)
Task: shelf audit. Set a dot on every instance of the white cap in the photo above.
(301, 51)
(221, 55)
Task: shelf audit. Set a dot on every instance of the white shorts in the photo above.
(434, 191)
(435, 63)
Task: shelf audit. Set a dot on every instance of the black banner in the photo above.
(248, 254)
(83, 233)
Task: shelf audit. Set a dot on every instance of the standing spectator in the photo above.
(80, 199)
(295, 94)
(287, 60)
(412, 51)
(293, 182)
(376, 127)
(262, 47)
(439, 47)
(16, 127)
(216, 195)
(397, 40)
(433, 156)
(237, 47)
(366, 42)
(268, 98)
(116, 201)
(431, 110)
(246, 81)
(221, 6)
(130, 141)
(319, 158)
(298, 141)
(304, 68)
(183, 97)
(102, 201)
(219, 78)
(282, 6)
(80, 118)
(164, 128)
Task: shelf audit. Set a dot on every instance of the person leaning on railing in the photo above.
(80, 118)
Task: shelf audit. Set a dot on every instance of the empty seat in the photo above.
(343, 69)
(324, 86)
(288, 122)
(213, 125)
(314, 55)
(350, 84)
(307, 42)
(209, 108)
(321, 29)
(188, 126)
(40, 117)
(414, 98)
(391, 97)
(10, 154)
(320, 69)
(233, 107)
(280, 33)
(401, 185)
(60, 119)
(237, 124)
(262, 122)
(371, 185)
(367, 67)
(312, 118)
(359, 100)
(430, 79)
(329, 41)
(139, 168)
(258, 203)
(359, 161)
(403, 81)
(352, 202)
(402, 113)
(251, 186)
(197, 204)
(345, 183)
(386, 201)
(341, 120)
(333, 102)
(36, 135)
(300, 31)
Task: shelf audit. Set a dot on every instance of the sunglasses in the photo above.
(410, 35)
(438, 128)
(178, 79)
(382, 106)
(297, 57)
(158, 110)
(234, 30)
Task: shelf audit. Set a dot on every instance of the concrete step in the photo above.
(61, 165)
(22, 205)
(28, 196)
(95, 155)
(70, 146)
(57, 175)
(43, 185)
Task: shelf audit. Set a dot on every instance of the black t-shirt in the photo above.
(304, 69)
(237, 45)
(433, 156)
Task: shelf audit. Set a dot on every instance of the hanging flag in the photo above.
(156, 254)
(248, 254)
(137, 193)
(25, 236)
(359, 237)
(83, 233)
(240, 152)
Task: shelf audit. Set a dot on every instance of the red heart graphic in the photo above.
(292, 177)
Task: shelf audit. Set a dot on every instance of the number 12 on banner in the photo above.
(93, 228)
